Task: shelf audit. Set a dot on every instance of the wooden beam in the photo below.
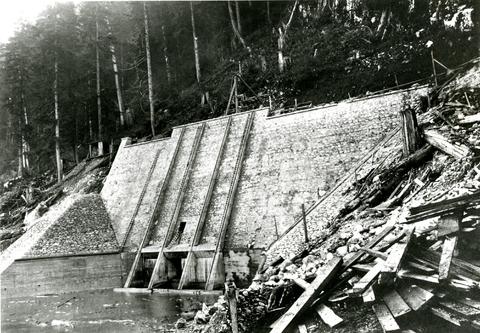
(440, 142)
(206, 205)
(448, 203)
(324, 275)
(395, 303)
(445, 315)
(156, 210)
(358, 255)
(231, 196)
(415, 297)
(328, 316)
(368, 296)
(449, 224)
(409, 131)
(395, 258)
(448, 249)
(460, 308)
(385, 318)
(178, 203)
(367, 280)
(302, 329)
(231, 293)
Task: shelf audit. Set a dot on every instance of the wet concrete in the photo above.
(96, 311)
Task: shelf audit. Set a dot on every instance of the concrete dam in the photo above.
(187, 211)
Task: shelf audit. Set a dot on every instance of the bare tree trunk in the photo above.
(197, 54)
(20, 150)
(149, 70)
(237, 10)
(99, 100)
(121, 108)
(282, 36)
(25, 145)
(234, 27)
(57, 121)
(269, 19)
(165, 55)
(195, 44)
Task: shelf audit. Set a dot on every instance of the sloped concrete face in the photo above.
(290, 160)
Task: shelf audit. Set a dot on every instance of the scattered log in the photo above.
(324, 276)
(395, 303)
(470, 119)
(446, 258)
(405, 274)
(328, 316)
(385, 318)
(440, 142)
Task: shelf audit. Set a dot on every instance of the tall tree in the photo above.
(149, 70)
(99, 98)
(236, 26)
(58, 157)
(165, 56)
(282, 37)
(118, 88)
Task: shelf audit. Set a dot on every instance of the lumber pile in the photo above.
(401, 273)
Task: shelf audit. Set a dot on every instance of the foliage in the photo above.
(335, 49)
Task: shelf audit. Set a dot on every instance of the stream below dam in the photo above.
(97, 311)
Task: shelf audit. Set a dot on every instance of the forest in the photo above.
(99, 71)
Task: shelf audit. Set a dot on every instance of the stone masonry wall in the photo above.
(291, 159)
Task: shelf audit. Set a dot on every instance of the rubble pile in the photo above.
(84, 228)
(404, 247)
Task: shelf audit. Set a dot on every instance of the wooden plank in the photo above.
(385, 318)
(395, 258)
(154, 216)
(328, 316)
(470, 302)
(324, 276)
(448, 249)
(302, 329)
(367, 280)
(415, 297)
(358, 255)
(368, 296)
(448, 224)
(395, 303)
(178, 204)
(406, 274)
(446, 204)
(445, 315)
(231, 197)
(460, 308)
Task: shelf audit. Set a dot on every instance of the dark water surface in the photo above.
(96, 311)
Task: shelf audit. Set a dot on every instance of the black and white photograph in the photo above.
(235, 166)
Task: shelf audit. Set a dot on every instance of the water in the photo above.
(96, 311)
